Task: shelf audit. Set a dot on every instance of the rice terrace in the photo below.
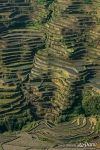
(49, 74)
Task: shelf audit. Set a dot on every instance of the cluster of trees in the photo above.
(91, 103)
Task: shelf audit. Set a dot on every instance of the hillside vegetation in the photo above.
(49, 61)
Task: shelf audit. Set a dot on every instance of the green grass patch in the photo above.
(88, 1)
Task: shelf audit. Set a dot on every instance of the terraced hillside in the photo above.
(47, 136)
(17, 48)
(49, 61)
